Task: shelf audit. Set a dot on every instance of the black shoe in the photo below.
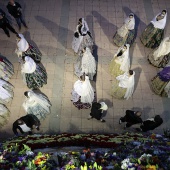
(102, 120)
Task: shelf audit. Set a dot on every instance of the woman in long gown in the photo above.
(123, 88)
(4, 114)
(6, 92)
(26, 49)
(82, 37)
(161, 55)
(120, 62)
(82, 93)
(154, 32)
(6, 69)
(160, 84)
(85, 64)
(36, 104)
(33, 73)
(126, 33)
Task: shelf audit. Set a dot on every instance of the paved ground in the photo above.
(51, 25)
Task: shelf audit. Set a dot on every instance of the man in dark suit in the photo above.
(26, 124)
(5, 25)
(131, 118)
(150, 124)
(14, 8)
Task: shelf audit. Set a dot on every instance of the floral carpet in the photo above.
(129, 151)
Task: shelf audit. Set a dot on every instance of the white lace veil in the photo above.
(37, 98)
(22, 44)
(29, 66)
(88, 65)
(4, 94)
(124, 60)
(130, 22)
(78, 87)
(87, 95)
(161, 23)
(84, 27)
(163, 49)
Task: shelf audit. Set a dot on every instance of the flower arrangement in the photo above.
(128, 151)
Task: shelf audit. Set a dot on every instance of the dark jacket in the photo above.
(132, 118)
(96, 112)
(2, 13)
(29, 120)
(15, 11)
(3, 22)
(151, 125)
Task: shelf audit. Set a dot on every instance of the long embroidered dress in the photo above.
(161, 55)
(153, 34)
(6, 69)
(37, 104)
(126, 33)
(120, 62)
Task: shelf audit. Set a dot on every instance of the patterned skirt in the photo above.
(6, 69)
(116, 91)
(34, 53)
(81, 105)
(4, 115)
(151, 36)
(36, 79)
(158, 86)
(161, 62)
(127, 39)
(38, 111)
(114, 69)
(9, 88)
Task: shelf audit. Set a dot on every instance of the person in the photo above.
(34, 74)
(131, 118)
(123, 88)
(36, 104)
(82, 37)
(6, 92)
(5, 25)
(4, 114)
(82, 93)
(6, 68)
(160, 84)
(153, 34)
(161, 55)
(14, 8)
(26, 49)
(85, 64)
(120, 62)
(150, 124)
(26, 124)
(97, 110)
(126, 33)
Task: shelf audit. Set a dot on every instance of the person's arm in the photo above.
(18, 5)
(15, 127)
(2, 13)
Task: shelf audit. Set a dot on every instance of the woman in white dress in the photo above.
(120, 62)
(82, 37)
(26, 49)
(161, 55)
(36, 104)
(154, 32)
(34, 74)
(85, 64)
(123, 88)
(6, 69)
(82, 93)
(6, 92)
(126, 33)
(4, 114)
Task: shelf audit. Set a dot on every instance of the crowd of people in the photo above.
(37, 104)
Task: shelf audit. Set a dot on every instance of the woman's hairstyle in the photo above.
(80, 20)
(23, 58)
(76, 34)
(131, 72)
(83, 77)
(164, 11)
(131, 15)
(120, 53)
(26, 93)
(17, 35)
